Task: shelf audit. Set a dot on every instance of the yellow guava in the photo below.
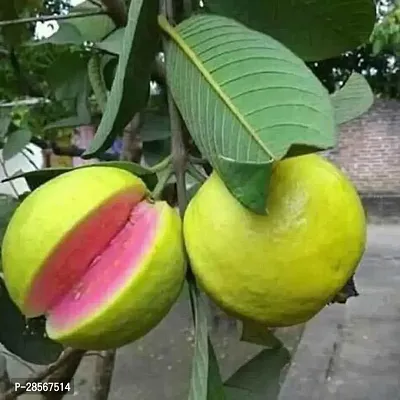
(93, 253)
(282, 268)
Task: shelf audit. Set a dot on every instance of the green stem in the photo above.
(44, 18)
(162, 181)
(161, 165)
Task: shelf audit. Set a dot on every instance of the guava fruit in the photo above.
(282, 268)
(93, 253)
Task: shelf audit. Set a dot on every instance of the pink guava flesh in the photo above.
(94, 261)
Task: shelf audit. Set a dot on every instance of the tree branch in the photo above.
(66, 357)
(116, 9)
(103, 375)
(64, 375)
(131, 143)
(44, 18)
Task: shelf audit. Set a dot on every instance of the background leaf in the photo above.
(353, 99)
(37, 178)
(205, 382)
(131, 86)
(92, 28)
(22, 337)
(16, 141)
(199, 379)
(246, 100)
(66, 34)
(262, 376)
(215, 390)
(259, 334)
(113, 42)
(315, 30)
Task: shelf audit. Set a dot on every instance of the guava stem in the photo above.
(163, 180)
(162, 164)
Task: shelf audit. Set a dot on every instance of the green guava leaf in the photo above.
(67, 75)
(315, 30)
(25, 338)
(215, 390)
(205, 382)
(353, 99)
(261, 377)
(246, 98)
(77, 88)
(91, 28)
(131, 85)
(113, 42)
(37, 178)
(253, 332)
(16, 141)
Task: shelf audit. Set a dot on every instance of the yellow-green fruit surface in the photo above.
(282, 268)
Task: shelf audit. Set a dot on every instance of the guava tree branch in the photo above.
(178, 148)
(44, 18)
(66, 356)
(131, 143)
(103, 375)
(63, 375)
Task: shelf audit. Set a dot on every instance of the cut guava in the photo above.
(90, 251)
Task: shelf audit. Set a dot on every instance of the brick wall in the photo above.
(369, 152)
(369, 149)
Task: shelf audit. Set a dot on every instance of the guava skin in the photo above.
(283, 268)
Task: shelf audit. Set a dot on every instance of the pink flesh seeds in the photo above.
(94, 262)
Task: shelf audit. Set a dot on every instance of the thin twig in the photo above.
(44, 18)
(65, 357)
(103, 375)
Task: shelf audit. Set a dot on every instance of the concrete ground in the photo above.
(349, 352)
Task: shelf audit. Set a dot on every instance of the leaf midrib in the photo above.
(164, 24)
